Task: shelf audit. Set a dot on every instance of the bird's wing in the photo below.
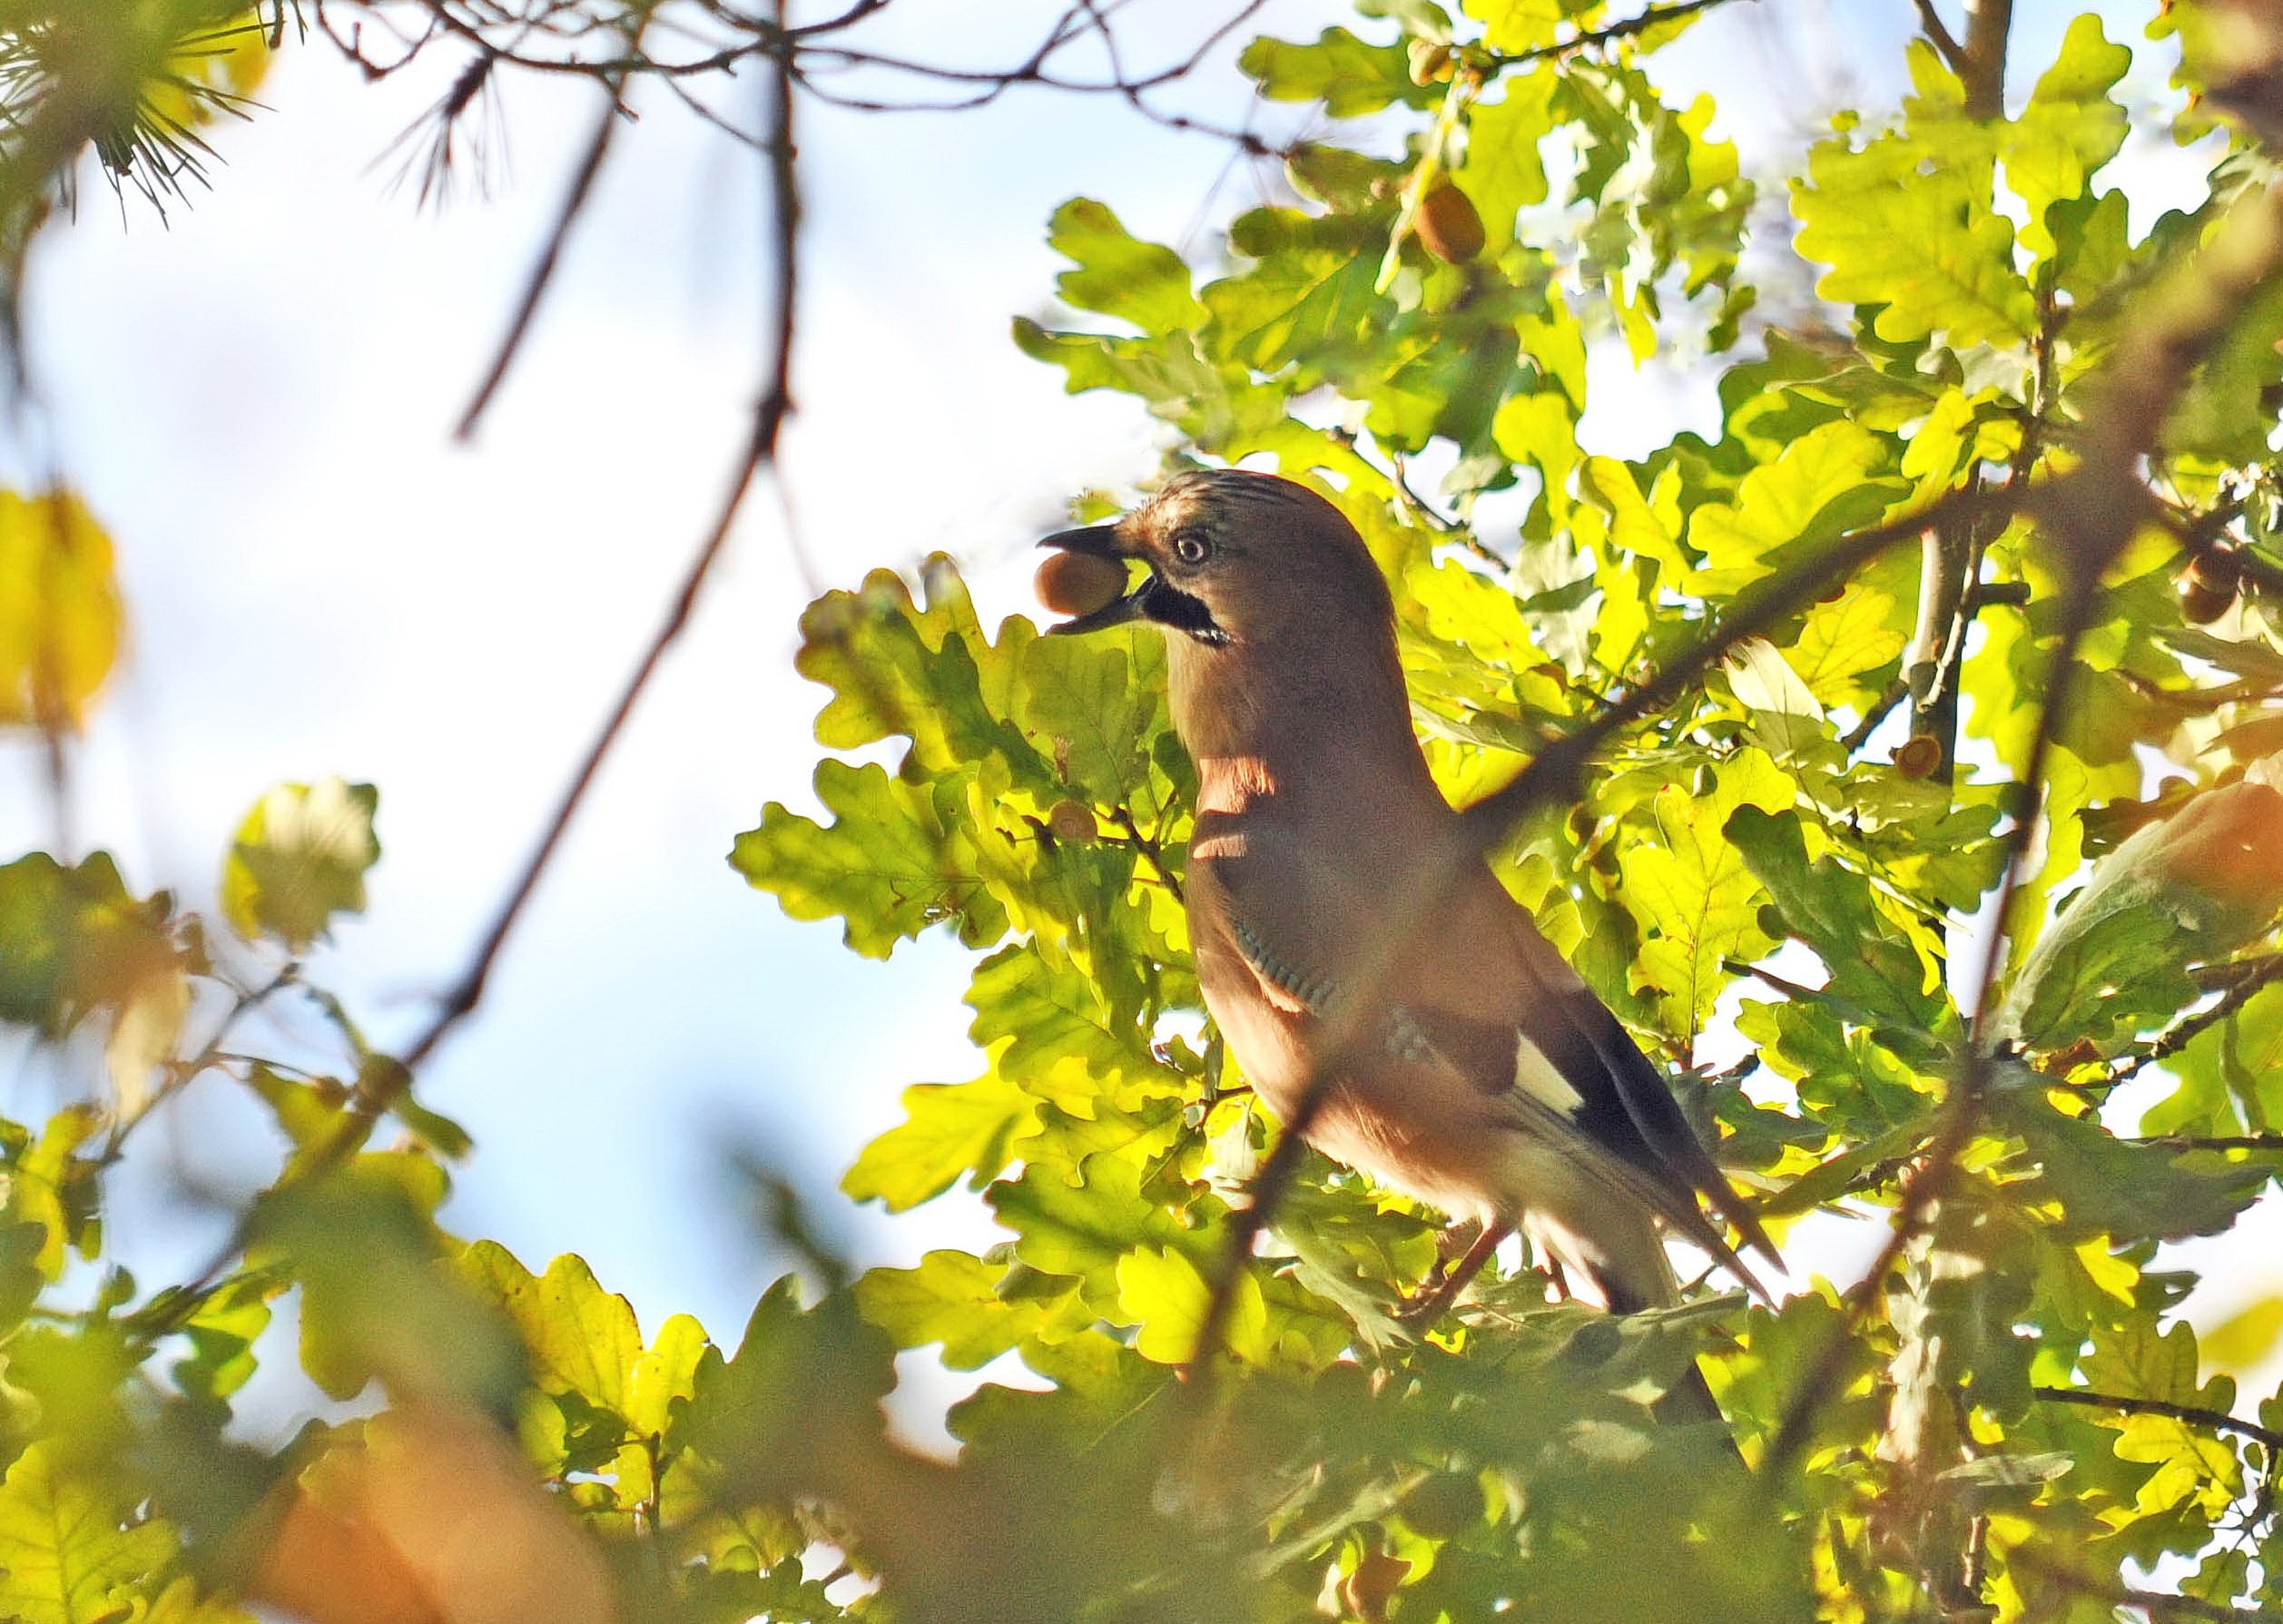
(1481, 995)
(1590, 1040)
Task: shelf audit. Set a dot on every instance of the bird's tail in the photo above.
(1689, 1402)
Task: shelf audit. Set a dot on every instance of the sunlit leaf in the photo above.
(1694, 891)
(67, 1555)
(949, 1128)
(61, 619)
(298, 861)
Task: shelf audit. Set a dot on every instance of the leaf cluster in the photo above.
(1799, 856)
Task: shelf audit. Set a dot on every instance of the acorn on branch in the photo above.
(1072, 823)
(1918, 756)
(1449, 225)
(2207, 588)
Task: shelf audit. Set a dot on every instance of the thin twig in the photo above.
(1656, 16)
(1152, 851)
(1399, 479)
(2184, 1031)
(543, 269)
(2218, 1421)
(1938, 35)
(761, 449)
(1896, 691)
(181, 1073)
(2267, 1142)
(385, 1085)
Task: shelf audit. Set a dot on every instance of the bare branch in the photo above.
(1895, 693)
(1656, 16)
(1938, 34)
(2255, 1142)
(543, 270)
(2264, 973)
(1557, 773)
(1982, 60)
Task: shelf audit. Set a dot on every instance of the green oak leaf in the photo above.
(2069, 128)
(1119, 275)
(926, 674)
(298, 861)
(1906, 223)
(1350, 77)
(580, 1338)
(2101, 1184)
(897, 858)
(2191, 887)
(1698, 900)
(949, 1128)
(1831, 910)
(68, 1555)
(954, 1298)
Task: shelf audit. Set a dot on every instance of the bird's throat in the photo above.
(1313, 731)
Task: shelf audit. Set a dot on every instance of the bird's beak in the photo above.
(1100, 541)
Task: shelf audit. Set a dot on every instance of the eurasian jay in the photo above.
(1480, 1075)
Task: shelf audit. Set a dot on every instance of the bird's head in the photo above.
(1236, 558)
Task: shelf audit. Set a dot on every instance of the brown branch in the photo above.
(1922, 1188)
(2269, 1142)
(2216, 1421)
(1895, 691)
(2266, 973)
(2156, 1604)
(1151, 851)
(1938, 34)
(2090, 514)
(1656, 16)
(1982, 63)
(2163, 1604)
(543, 269)
(1925, 1186)
(1557, 773)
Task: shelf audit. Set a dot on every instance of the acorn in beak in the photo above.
(1085, 578)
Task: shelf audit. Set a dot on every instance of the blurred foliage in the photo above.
(2013, 1422)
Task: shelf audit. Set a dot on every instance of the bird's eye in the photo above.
(1191, 548)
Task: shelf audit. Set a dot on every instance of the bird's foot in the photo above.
(1425, 1307)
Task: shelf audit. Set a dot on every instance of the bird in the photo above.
(1374, 982)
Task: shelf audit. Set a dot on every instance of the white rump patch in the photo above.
(1537, 1077)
